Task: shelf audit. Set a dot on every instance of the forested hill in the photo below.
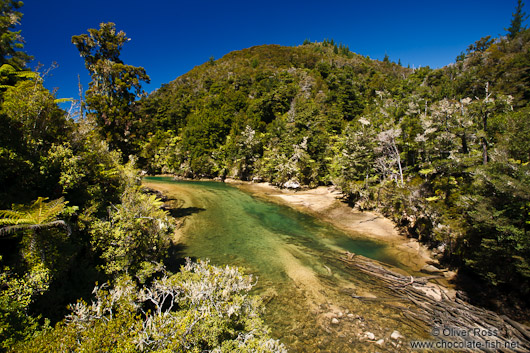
(442, 152)
(257, 87)
(273, 90)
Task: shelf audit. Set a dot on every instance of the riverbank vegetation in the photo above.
(82, 244)
(442, 152)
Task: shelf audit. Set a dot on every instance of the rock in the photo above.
(335, 321)
(291, 184)
(396, 335)
(380, 342)
(430, 269)
(369, 335)
(413, 244)
(462, 296)
(433, 262)
(450, 274)
(432, 291)
(438, 256)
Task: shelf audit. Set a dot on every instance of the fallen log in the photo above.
(442, 312)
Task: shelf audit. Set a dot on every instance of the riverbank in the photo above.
(324, 202)
(304, 261)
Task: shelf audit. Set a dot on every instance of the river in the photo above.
(295, 257)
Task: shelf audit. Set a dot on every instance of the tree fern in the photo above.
(39, 214)
(9, 75)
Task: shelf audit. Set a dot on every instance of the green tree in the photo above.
(202, 308)
(32, 123)
(498, 214)
(518, 17)
(38, 215)
(11, 42)
(114, 86)
(9, 75)
(17, 293)
(37, 224)
(32, 109)
(136, 231)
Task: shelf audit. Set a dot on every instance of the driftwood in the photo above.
(450, 319)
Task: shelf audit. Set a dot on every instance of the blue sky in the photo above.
(170, 37)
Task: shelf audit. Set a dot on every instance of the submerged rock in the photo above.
(396, 335)
(369, 335)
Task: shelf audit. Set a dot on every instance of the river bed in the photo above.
(295, 257)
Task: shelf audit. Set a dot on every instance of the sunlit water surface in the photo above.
(295, 258)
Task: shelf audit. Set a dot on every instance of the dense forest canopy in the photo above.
(444, 153)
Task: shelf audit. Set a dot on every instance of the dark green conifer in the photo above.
(11, 42)
(518, 17)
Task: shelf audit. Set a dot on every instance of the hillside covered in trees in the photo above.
(442, 152)
(85, 252)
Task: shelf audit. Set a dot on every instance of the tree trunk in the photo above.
(485, 127)
(398, 159)
(484, 151)
(465, 149)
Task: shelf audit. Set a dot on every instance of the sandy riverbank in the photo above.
(324, 203)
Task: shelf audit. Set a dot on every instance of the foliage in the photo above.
(16, 295)
(33, 124)
(11, 41)
(114, 86)
(38, 225)
(518, 17)
(444, 153)
(498, 246)
(38, 213)
(136, 231)
(9, 75)
(201, 308)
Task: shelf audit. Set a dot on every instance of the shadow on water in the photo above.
(185, 211)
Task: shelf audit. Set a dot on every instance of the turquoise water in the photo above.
(295, 258)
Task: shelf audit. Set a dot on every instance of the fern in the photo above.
(39, 214)
(63, 100)
(7, 69)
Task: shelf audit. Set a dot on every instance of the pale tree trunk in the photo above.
(389, 147)
(398, 160)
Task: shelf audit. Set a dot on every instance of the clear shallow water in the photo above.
(295, 257)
